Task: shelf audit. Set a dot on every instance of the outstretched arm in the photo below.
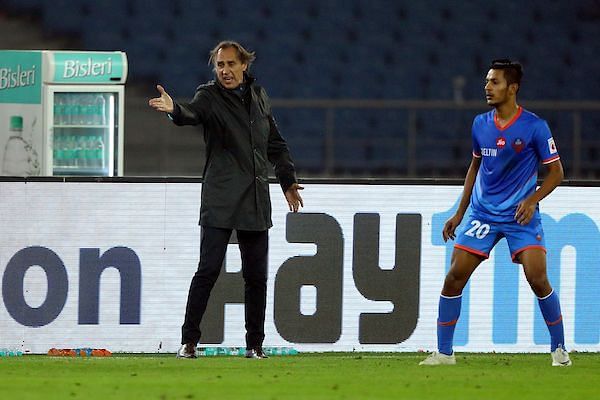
(192, 113)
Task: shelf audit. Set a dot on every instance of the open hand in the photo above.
(163, 103)
(292, 195)
(450, 227)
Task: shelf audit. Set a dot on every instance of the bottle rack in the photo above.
(80, 134)
(79, 151)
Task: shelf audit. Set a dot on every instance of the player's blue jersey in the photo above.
(510, 160)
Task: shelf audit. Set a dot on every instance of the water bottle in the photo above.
(16, 157)
(11, 352)
(75, 108)
(83, 151)
(64, 151)
(99, 156)
(59, 110)
(73, 154)
(86, 153)
(70, 110)
(280, 351)
(87, 110)
(222, 351)
(56, 150)
(290, 351)
(76, 161)
(68, 148)
(90, 152)
(83, 352)
(99, 110)
(207, 351)
(81, 109)
(219, 351)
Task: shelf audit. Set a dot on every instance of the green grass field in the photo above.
(303, 376)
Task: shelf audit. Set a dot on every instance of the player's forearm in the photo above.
(551, 181)
(468, 187)
(464, 201)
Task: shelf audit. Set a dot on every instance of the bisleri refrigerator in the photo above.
(62, 113)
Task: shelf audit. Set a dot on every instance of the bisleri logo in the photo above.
(78, 69)
(20, 77)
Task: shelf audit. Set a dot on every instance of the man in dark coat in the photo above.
(241, 138)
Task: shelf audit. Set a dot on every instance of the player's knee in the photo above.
(454, 283)
(539, 285)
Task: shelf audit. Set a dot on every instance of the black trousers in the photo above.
(254, 247)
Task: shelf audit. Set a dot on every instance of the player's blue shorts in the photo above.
(478, 236)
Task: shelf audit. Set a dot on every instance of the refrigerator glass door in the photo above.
(85, 128)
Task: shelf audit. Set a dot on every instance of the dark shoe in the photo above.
(256, 352)
(187, 350)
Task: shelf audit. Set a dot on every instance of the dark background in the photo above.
(382, 89)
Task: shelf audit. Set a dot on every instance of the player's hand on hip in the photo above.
(294, 200)
(525, 211)
(164, 103)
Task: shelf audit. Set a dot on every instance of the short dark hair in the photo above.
(513, 70)
(245, 56)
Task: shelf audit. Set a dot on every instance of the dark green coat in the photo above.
(239, 144)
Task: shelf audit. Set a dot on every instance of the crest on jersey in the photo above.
(500, 143)
(552, 146)
(518, 145)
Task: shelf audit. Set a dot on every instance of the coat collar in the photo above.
(248, 82)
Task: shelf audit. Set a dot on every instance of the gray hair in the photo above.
(245, 56)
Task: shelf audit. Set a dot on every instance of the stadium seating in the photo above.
(325, 39)
(386, 49)
(303, 130)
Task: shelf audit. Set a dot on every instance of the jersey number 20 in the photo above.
(478, 230)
